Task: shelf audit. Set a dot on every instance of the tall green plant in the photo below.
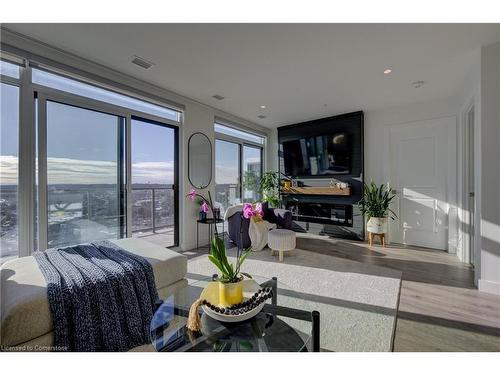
(251, 181)
(376, 201)
(230, 273)
(269, 187)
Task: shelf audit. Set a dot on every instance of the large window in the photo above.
(227, 174)
(239, 134)
(238, 166)
(73, 86)
(95, 163)
(84, 179)
(153, 180)
(9, 70)
(9, 169)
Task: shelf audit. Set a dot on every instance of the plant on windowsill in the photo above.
(269, 187)
(375, 207)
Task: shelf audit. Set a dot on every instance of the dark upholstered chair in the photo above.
(238, 226)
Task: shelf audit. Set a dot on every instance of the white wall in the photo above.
(377, 121)
(198, 117)
(489, 280)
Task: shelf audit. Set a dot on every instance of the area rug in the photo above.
(358, 302)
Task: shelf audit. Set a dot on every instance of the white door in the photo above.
(421, 171)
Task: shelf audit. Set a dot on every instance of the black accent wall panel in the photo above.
(352, 124)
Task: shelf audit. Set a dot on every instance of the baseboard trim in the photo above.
(489, 287)
(188, 246)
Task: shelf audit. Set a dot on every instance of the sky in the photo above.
(82, 145)
(227, 161)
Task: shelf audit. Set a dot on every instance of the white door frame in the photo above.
(465, 252)
(453, 222)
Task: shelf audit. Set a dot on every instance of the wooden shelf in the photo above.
(318, 190)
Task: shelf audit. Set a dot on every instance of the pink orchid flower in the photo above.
(192, 195)
(204, 207)
(247, 211)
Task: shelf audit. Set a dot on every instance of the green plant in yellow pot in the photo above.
(230, 278)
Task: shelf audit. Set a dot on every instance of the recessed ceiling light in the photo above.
(218, 97)
(388, 71)
(263, 106)
(417, 84)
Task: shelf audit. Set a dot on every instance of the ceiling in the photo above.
(298, 71)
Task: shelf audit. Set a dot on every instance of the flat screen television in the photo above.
(323, 155)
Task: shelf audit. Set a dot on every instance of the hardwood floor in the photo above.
(440, 309)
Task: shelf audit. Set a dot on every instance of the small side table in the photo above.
(211, 230)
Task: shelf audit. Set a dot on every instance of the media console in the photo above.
(311, 151)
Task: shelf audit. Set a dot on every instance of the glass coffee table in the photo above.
(279, 327)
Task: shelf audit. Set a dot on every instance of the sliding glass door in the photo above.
(252, 172)
(90, 163)
(238, 166)
(82, 175)
(84, 172)
(227, 174)
(154, 175)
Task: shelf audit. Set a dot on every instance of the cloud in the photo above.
(8, 170)
(153, 172)
(75, 171)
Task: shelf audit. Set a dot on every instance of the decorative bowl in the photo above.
(211, 294)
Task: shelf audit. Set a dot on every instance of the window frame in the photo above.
(241, 143)
(27, 146)
(261, 149)
(42, 183)
(45, 93)
(175, 184)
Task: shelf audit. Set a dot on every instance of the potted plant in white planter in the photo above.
(375, 207)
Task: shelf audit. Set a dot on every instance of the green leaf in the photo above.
(376, 200)
(217, 264)
(243, 257)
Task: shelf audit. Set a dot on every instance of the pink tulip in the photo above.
(192, 195)
(247, 211)
(204, 207)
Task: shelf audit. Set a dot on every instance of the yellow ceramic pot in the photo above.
(230, 293)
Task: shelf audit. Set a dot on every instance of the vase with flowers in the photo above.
(230, 276)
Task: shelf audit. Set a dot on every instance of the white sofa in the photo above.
(26, 321)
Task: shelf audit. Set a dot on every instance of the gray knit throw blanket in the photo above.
(101, 297)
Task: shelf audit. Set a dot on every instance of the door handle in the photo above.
(472, 194)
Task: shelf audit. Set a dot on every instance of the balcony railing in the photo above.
(100, 204)
(152, 209)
